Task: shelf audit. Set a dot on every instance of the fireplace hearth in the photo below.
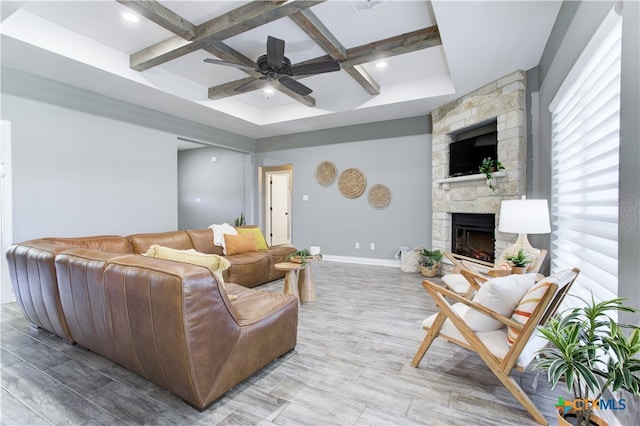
(473, 235)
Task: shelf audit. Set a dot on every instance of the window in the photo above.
(585, 158)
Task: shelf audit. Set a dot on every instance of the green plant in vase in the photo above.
(590, 352)
(519, 262)
(240, 220)
(299, 256)
(488, 167)
(430, 262)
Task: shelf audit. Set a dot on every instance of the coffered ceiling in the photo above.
(434, 52)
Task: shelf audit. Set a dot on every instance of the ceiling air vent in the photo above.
(360, 5)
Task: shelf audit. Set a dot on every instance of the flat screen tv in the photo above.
(466, 155)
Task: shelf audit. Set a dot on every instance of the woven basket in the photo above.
(410, 260)
(352, 183)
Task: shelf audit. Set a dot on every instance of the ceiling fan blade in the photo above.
(297, 87)
(275, 52)
(229, 64)
(252, 85)
(315, 68)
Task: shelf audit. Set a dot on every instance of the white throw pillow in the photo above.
(501, 295)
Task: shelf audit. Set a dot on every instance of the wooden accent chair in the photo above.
(499, 354)
(456, 282)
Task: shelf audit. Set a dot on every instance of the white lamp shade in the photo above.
(524, 217)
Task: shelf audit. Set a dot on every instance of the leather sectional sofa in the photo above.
(170, 322)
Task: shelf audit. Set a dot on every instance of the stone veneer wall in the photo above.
(502, 100)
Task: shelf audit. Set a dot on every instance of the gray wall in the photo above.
(401, 162)
(75, 174)
(86, 164)
(219, 185)
(574, 27)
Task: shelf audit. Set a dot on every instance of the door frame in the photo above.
(265, 173)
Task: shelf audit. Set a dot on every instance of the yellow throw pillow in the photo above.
(261, 243)
(216, 264)
(241, 243)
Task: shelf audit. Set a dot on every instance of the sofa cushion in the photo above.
(248, 269)
(202, 240)
(108, 243)
(261, 243)
(180, 240)
(241, 243)
(216, 264)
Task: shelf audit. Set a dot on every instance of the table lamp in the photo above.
(523, 217)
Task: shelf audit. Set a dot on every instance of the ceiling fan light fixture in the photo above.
(130, 17)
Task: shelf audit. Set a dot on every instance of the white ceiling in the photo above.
(87, 44)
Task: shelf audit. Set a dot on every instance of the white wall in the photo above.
(78, 174)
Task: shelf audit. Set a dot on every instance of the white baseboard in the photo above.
(362, 260)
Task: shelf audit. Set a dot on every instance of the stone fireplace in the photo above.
(501, 102)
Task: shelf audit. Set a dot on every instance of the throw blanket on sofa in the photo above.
(218, 234)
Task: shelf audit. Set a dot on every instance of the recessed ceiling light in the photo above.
(268, 90)
(131, 17)
(381, 64)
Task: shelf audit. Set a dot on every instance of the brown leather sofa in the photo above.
(169, 322)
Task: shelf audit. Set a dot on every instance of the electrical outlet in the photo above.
(373, 246)
(357, 245)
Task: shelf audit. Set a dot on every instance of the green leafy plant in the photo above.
(591, 353)
(430, 258)
(240, 219)
(519, 260)
(299, 256)
(488, 167)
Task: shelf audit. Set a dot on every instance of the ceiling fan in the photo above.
(275, 66)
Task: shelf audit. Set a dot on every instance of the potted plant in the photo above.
(590, 353)
(519, 262)
(299, 256)
(430, 262)
(240, 220)
(488, 167)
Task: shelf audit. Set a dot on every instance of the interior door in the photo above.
(279, 184)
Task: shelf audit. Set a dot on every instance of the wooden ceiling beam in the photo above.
(364, 78)
(226, 53)
(398, 45)
(405, 43)
(237, 21)
(166, 18)
(243, 86)
(310, 23)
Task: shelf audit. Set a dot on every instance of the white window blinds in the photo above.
(585, 140)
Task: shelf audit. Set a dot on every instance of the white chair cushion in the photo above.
(456, 283)
(495, 340)
(501, 295)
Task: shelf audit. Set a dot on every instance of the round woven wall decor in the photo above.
(379, 196)
(326, 173)
(352, 183)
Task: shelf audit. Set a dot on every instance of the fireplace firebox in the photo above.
(473, 235)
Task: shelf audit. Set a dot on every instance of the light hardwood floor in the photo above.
(351, 366)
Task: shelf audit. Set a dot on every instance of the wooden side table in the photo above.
(306, 286)
(291, 277)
